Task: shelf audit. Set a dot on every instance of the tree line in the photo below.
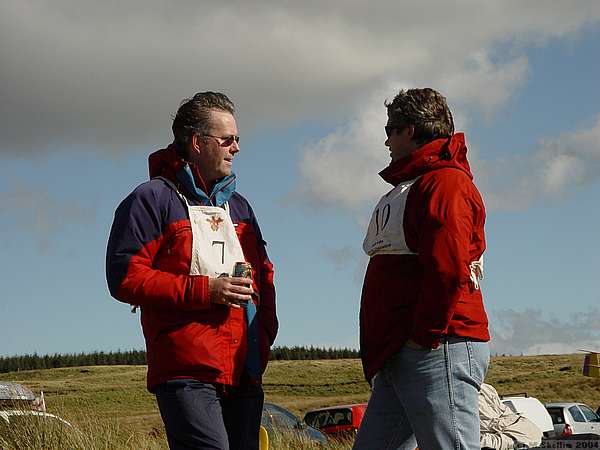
(138, 357)
(291, 353)
(35, 361)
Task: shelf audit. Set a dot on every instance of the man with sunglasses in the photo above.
(423, 327)
(172, 250)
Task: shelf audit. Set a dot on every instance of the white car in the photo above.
(573, 418)
(532, 409)
(18, 405)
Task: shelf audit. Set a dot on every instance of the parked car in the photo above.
(15, 396)
(278, 420)
(532, 409)
(21, 409)
(337, 421)
(14, 392)
(573, 418)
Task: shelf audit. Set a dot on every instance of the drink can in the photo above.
(242, 269)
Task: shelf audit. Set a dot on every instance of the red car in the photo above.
(337, 420)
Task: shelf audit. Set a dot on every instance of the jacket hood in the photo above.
(438, 154)
(167, 163)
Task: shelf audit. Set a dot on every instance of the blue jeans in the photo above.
(203, 416)
(430, 395)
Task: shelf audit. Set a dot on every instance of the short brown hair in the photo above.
(193, 116)
(425, 109)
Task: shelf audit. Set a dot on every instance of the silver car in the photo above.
(276, 419)
(573, 418)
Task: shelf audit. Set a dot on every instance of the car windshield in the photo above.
(15, 391)
(329, 417)
(276, 418)
(280, 417)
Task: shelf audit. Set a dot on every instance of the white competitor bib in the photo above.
(215, 245)
(385, 235)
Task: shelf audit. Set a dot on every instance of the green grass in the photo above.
(88, 432)
(303, 385)
(549, 378)
(112, 408)
(109, 392)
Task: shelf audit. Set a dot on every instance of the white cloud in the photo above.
(340, 168)
(532, 332)
(482, 84)
(550, 171)
(83, 74)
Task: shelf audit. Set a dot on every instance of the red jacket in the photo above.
(148, 264)
(428, 295)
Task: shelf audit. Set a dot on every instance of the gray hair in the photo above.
(193, 116)
(425, 109)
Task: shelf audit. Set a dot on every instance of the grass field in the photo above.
(113, 399)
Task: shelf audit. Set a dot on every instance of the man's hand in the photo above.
(230, 291)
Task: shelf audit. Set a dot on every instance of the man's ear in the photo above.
(196, 142)
(410, 132)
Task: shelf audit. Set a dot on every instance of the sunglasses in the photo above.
(225, 141)
(390, 128)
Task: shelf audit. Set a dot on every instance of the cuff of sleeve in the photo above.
(198, 296)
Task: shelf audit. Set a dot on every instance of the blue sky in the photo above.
(88, 91)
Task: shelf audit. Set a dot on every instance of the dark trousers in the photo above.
(206, 416)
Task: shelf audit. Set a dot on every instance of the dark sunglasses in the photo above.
(225, 141)
(390, 128)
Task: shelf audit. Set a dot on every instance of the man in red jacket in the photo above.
(172, 249)
(424, 330)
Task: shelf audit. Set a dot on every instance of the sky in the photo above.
(89, 89)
